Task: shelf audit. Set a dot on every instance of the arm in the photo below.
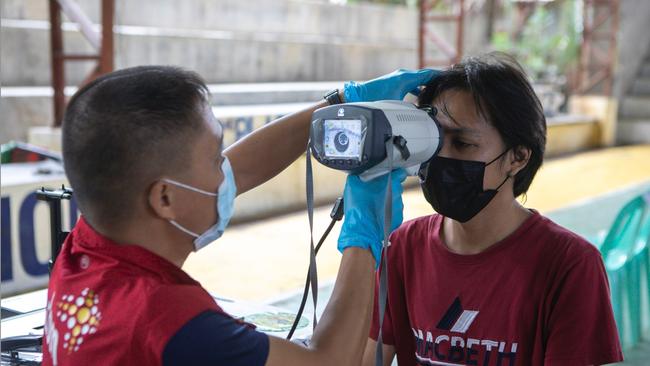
(340, 336)
(369, 353)
(212, 338)
(580, 328)
(282, 141)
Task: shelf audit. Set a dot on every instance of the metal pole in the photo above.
(57, 235)
(55, 229)
(585, 49)
(106, 53)
(421, 28)
(459, 32)
(613, 46)
(58, 72)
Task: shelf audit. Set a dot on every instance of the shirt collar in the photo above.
(89, 241)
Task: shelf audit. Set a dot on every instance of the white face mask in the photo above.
(225, 206)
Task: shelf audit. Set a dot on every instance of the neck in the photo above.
(152, 235)
(500, 218)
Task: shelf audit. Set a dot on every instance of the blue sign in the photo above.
(27, 245)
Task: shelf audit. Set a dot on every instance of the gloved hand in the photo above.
(363, 204)
(391, 86)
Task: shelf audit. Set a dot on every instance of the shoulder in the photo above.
(187, 299)
(558, 255)
(561, 243)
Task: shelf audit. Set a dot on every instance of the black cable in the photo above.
(336, 215)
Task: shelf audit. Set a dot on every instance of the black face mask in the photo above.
(454, 188)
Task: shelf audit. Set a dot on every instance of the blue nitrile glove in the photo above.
(392, 86)
(363, 205)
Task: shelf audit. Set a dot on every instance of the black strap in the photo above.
(313, 273)
(305, 291)
(336, 215)
(383, 268)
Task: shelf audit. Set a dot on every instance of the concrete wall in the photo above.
(231, 40)
(19, 114)
(225, 41)
(633, 43)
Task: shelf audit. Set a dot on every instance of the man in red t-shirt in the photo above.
(144, 154)
(486, 281)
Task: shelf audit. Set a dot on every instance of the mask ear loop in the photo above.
(498, 157)
(504, 182)
(508, 176)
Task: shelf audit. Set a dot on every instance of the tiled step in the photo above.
(645, 69)
(641, 86)
(218, 56)
(633, 131)
(635, 106)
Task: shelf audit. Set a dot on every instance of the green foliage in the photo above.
(550, 41)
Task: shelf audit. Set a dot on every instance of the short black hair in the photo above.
(125, 129)
(505, 97)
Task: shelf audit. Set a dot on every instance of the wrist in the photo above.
(359, 252)
(360, 244)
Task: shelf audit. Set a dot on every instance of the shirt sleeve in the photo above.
(211, 338)
(581, 328)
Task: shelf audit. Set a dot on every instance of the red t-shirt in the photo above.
(538, 297)
(111, 304)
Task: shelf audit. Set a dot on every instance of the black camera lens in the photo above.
(341, 141)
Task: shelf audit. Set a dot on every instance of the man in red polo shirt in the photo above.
(143, 152)
(486, 281)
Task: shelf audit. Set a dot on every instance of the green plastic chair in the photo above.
(637, 268)
(625, 250)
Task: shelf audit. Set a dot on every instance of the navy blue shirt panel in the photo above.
(211, 338)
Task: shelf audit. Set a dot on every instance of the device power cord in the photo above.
(336, 215)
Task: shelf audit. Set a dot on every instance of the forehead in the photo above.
(458, 112)
(212, 124)
(209, 139)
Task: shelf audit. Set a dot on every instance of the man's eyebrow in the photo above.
(460, 129)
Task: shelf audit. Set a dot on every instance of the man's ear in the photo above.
(519, 157)
(160, 198)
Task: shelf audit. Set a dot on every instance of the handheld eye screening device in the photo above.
(356, 137)
(369, 139)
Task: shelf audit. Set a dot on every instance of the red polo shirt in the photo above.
(538, 297)
(112, 304)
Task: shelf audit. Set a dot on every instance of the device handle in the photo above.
(370, 174)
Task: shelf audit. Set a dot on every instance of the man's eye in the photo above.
(461, 144)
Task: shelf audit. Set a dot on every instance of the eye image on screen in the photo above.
(342, 138)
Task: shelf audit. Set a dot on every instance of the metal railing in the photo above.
(102, 42)
(453, 14)
(598, 49)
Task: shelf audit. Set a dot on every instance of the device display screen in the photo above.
(342, 138)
